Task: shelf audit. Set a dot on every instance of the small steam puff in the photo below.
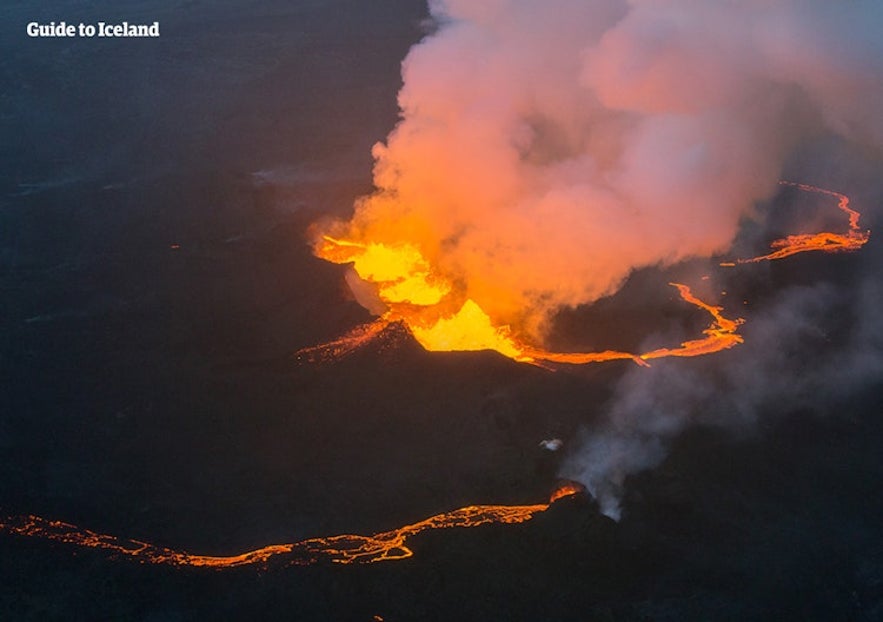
(788, 357)
(547, 149)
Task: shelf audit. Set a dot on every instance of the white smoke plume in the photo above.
(808, 349)
(547, 149)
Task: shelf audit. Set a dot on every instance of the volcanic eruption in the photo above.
(546, 152)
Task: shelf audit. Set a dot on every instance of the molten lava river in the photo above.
(425, 302)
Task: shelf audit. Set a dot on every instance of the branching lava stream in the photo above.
(342, 549)
(826, 241)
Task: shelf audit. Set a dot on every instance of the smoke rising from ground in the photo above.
(809, 348)
(548, 149)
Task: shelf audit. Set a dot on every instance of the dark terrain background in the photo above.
(150, 392)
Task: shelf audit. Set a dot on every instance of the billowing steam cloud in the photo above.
(547, 149)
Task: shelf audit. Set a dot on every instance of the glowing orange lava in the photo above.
(342, 549)
(565, 490)
(721, 335)
(400, 272)
(427, 304)
(344, 345)
(471, 329)
(415, 295)
(825, 241)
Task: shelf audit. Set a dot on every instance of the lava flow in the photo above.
(417, 297)
(341, 549)
(442, 318)
(826, 241)
(721, 335)
(470, 329)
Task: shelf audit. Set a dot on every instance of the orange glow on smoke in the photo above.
(342, 549)
(852, 240)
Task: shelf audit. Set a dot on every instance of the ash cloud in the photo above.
(546, 150)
